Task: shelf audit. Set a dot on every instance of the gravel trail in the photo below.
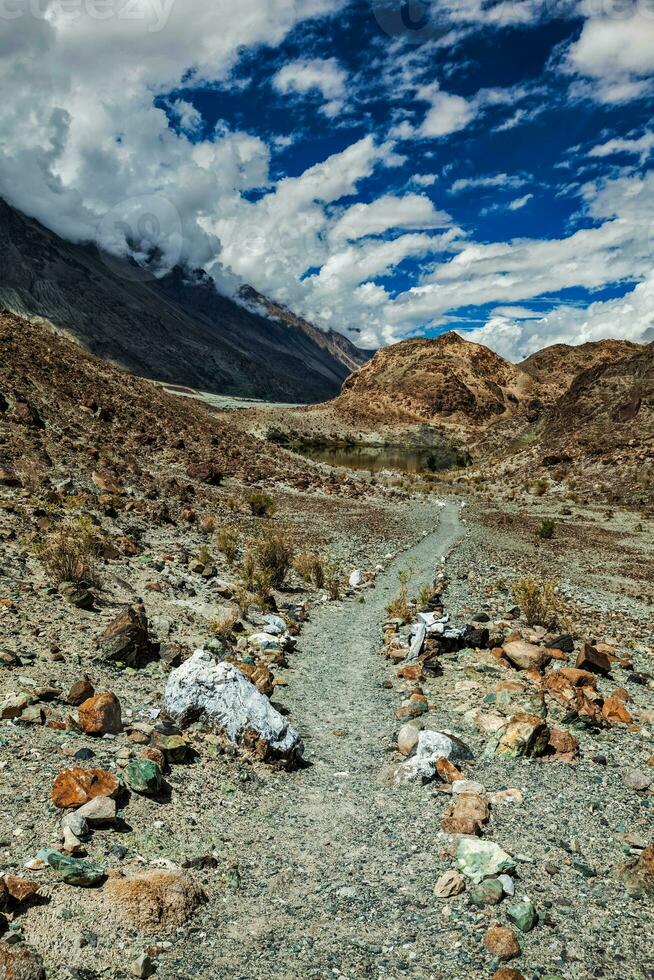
(331, 878)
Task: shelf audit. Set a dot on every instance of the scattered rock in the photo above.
(488, 892)
(478, 859)
(75, 787)
(594, 660)
(142, 966)
(523, 915)
(71, 870)
(80, 692)
(154, 902)
(501, 942)
(101, 715)
(450, 884)
(525, 656)
(637, 780)
(219, 695)
(407, 738)
(98, 812)
(525, 735)
(17, 963)
(126, 638)
(144, 776)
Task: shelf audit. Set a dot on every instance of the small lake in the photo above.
(374, 459)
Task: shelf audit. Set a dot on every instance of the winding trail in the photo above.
(337, 862)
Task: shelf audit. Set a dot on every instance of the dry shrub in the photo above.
(399, 608)
(208, 524)
(227, 543)
(273, 553)
(154, 902)
(69, 554)
(333, 580)
(538, 600)
(261, 504)
(310, 568)
(223, 626)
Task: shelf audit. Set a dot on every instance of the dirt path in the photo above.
(335, 879)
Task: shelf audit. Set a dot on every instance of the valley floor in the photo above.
(328, 871)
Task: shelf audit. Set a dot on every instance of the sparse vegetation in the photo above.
(424, 597)
(538, 600)
(204, 555)
(227, 543)
(546, 530)
(69, 554)
(311, 569)
(208, 524)
(399, 607)
(261, 504)
(223, 626)
(273, 553)
(540, 488)
(333, 580)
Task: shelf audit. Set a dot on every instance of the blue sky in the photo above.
(385, 168)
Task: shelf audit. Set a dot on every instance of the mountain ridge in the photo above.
(176, 329)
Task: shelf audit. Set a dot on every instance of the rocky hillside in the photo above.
(555, 368)
(176, 329)
(608, 408)
(443, 381)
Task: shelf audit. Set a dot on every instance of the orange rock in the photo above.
(590, 658)
(155, 755)
(563, 744)
(500, 941)
(75, 787)
(447, 771)
(467, 815)
(506, 973)
(615, 712)
(412, 672)
(622, 694)
(19, 888)
(557, 654)
(100, 715)
(579, 678)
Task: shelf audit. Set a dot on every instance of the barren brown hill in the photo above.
(447, 381)
(608, 410)
(66, 415)
(555, 368)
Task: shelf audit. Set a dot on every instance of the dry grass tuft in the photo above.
(227, 543)
(399, 608)
(70, 553)
(538, 600)
(310, 568)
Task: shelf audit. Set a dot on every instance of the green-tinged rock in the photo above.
(488, 892)
(144, 776)
(479, 859)
(584, 869)
(523, 915)
(174, 747)
(71, 870)
(525, 735)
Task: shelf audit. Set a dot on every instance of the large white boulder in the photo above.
(221, 697)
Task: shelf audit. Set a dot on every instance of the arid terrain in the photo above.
(450, 768)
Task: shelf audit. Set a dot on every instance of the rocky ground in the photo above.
(211, 855)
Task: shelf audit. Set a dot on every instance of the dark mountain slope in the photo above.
(176, 329)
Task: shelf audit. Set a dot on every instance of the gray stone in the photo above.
(221, 697)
